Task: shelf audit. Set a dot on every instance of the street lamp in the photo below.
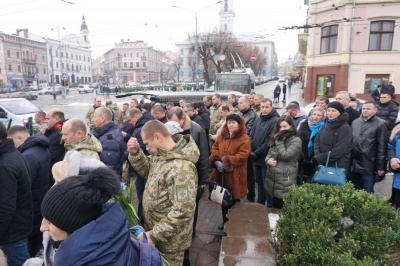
(196, 54)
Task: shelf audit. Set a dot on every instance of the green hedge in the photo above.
(310, 229)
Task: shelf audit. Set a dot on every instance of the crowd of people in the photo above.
(55, 186)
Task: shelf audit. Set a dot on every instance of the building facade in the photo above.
(353, 46)
(23, 61)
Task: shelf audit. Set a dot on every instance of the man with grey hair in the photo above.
(110, 137)
(344, 98)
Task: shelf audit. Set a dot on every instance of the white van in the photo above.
(85, 88)
(18, 111)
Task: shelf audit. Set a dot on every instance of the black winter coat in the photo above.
(35, 150)
(57, 150)
(304, 134)
(16, 208)
(353, 114)
(204, 113)
(259, 135)
(196, 118)
(249, 116)
(388, 112)
(338, 139)
(113, 144)
(370, 139)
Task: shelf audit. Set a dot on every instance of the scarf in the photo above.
(314, 127)
(331, 122)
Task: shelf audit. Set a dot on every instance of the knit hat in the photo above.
(337, 105)
(77, 200)
(234, 117)
(173, 127)
(74, 163)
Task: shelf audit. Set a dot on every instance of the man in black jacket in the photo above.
(344, 98)
(189, 111)
(159, 113)
(259, 139)
(35, 150)
(16, 208)
(370, 139)
(388, 110)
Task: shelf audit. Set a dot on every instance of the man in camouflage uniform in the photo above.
(40, 120)
(75, 137)
(169, 198)
(257, 103)
(116, 112)
(89, 114)
(214, 113)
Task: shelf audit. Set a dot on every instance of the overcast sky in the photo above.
(110, 21)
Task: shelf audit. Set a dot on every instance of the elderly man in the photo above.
(89, 114)
(158, 113)
(189, 110)
(110, 137)
(170, 194)
(76, 137)
(344, 98)
(40, 120)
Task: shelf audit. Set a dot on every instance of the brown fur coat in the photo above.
(233, 153)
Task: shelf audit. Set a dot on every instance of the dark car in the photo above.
(23, 94)
(73, 85)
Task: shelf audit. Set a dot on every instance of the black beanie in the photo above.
(337, 105)
(77, 200)
(233, 117)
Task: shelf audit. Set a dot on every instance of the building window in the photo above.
(131, 54)
(62, 54)
(124, 55)
(8, 53)
(325, 85)
(56, 54)
(19, 69)
(84, 58)
(67, 66)
(124, 64)
(44, 71)
(372, 81)
(144, 64)
(35, 57)
(56, 64)
(43, 58)
(49, 52)
(130, 64)
(18, 55)
(137, 64)
(381, 36)
(329, 39)
(9, 68)
(72, 67)
(144, 54)
(137, 54)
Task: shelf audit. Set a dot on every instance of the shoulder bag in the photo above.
(330, 175)
(220, 194)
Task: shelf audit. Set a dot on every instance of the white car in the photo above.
(282, 79)
(85, 89)
(19, 110)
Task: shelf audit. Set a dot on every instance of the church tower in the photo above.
(84, 31)
(226, 16)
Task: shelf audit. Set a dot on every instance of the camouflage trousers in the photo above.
(175, 259)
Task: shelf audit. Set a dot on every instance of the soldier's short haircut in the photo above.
(3, 131)
(224, 107)
(126, 104)
(246, 99)
(176, 111)
(322, 98)
(217, 95)
(170, 104)
(183, 99)
(41, 114)
(135, 100)
(104, 111)
(232, 96)
(189, 106)
(17, 129)
(108, 102)
(371, 102)
(157, 109)
(253, 93)
(344, 93)
(77, 124)
(134, 111)
(209, 97)
(260, 95)
(293, 106)
(152, 127)
(266, 100)
(196, 105)
(58, 113)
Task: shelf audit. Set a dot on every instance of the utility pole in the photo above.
(61, 64)
(52, 72)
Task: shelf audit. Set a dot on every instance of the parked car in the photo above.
(24, 94)
(85, 88)
(95, 85)
(282, 79)
(17, 109)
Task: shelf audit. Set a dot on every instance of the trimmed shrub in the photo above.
(311, 231)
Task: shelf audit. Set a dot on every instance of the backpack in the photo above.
(148, 255)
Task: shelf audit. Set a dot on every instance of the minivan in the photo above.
(19, 110)
(85, 88)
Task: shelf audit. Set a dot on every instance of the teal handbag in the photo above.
(330, 175)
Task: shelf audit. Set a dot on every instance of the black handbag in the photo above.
(330, 175)
(220, 194)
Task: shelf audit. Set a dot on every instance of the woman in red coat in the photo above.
(229, 156)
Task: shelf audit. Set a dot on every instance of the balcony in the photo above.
(29, 61)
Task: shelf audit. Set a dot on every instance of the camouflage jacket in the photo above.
(214, 117)
(41, 128)
(257, 109)
(117, 113)
(89, 114)
(169, 198)
(89, 146)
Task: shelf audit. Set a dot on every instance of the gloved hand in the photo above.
(219, 165)
(253, 156)
(379, 178)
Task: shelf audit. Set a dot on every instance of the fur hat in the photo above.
(337, 105)
(233, 117)
(77, 200)
(74, 163)
(173, 127)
